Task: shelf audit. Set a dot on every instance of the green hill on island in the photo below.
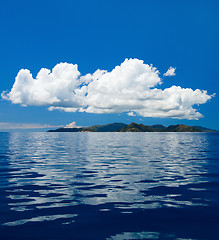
(113, 127)
(182, 128)
(135, 127)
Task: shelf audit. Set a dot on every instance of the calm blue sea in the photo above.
(58, 186)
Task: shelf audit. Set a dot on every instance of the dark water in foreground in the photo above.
(109, 186)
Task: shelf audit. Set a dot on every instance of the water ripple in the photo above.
(74, 179)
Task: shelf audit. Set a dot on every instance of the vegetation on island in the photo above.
(135, 127)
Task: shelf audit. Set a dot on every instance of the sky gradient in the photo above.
(101, 35)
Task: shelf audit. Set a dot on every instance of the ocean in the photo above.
(59, 186)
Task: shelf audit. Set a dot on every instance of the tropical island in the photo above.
(135, 127)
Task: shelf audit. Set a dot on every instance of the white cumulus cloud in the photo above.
(72, 125)
(170, 72)
(131, 87)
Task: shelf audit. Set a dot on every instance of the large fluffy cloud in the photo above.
(130, 87)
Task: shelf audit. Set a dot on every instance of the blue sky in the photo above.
(101, 35)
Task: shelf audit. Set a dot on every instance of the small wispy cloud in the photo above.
(132, 87)
(170, 72)
(8, 125)
(131, 114)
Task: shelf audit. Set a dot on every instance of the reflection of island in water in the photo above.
(135, 127)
